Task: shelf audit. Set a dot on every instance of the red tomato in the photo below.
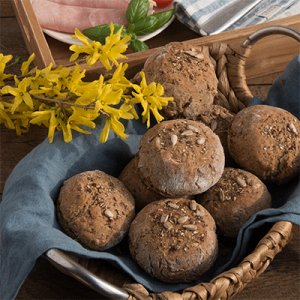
(163, 3)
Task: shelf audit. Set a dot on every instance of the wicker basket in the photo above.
(234, 94)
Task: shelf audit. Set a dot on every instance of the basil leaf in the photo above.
(137, 45)
(130, 29)
(153, 22)
(136, 10)
(100, 32)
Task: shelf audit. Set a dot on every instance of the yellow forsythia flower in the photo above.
(96, 51)
(115, 125)
(118, 79)
(20, 93)
(26, 64)
(150, 97)
(3, 61)
(5, 117)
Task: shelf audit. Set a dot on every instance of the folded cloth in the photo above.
(194, 13)
(28, 223)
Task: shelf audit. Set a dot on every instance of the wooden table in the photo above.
(281, 280)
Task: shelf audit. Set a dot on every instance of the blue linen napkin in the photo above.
(28, 223)
(193, 13)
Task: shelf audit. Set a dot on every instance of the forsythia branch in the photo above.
(59, 99)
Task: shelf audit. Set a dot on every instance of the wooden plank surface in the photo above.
(279, 281)
(274, 53)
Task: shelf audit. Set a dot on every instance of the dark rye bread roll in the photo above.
(218, 119)
(95, 209)
(141, 193)
(187, 74)
(174, 240)
(234, 199)
(264, 140)
(180, 157)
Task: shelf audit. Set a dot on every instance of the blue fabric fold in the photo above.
(28, 223)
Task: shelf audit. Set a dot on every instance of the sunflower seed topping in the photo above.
(193, 205)
(109, 214)
(221, 195)
(173, 205)
(241, 182)
(193, 128)
(164, 218)
(168, 225)
(213, 125)
(187, 133)
(174, 139)
(292, 128)
(183, 219)
(200, 213)
(191, 227)
(201, 141)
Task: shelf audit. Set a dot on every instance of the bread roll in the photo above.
(95, 209)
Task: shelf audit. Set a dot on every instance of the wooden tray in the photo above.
(273, 53)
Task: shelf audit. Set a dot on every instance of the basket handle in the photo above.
(72, 268)
(256, 36)
(270, 30)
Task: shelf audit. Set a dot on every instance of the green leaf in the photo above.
(100, 32)
(136, 10)
(130, 29)
(18, 59)
(137, 45)
(153, 22)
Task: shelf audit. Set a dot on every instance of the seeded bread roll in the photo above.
(180, 157)
(218, 119)
(264, 140)
(187, 74)
(174, 240)
(234, 199)
(95, 209)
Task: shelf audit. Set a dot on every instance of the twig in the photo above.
(62, 101)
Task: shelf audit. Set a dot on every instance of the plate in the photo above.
(66, 37)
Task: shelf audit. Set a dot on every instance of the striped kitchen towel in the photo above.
(194, 13)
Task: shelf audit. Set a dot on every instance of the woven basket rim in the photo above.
(224, 286)
(234, 95)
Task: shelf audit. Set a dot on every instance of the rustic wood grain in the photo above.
(279, 281)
